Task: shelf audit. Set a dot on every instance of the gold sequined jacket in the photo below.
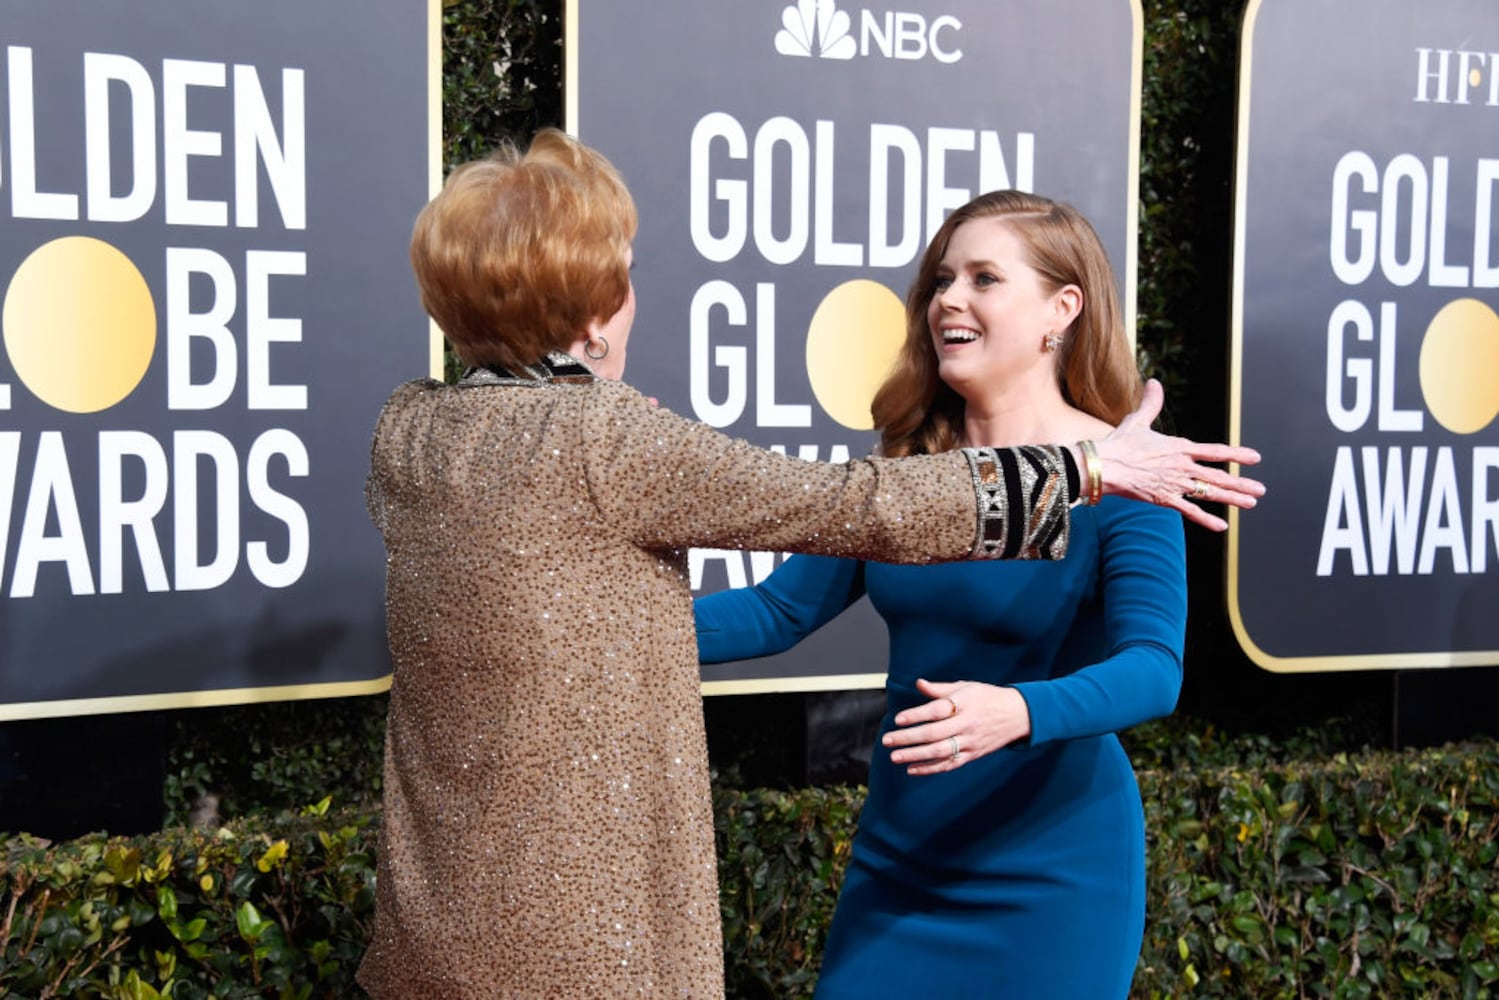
(547, 825)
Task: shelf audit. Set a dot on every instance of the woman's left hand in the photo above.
(964, 720)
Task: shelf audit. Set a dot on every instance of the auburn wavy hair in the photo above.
(519, 252)
(917, 413)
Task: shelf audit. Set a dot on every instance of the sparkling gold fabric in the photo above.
(547, 823)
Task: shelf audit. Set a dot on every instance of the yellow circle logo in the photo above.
(1458, 360)
(852, 343)
(80, 324)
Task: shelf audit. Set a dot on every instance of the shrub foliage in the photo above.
(1369, 875)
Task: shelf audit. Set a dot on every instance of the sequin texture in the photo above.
(547, 823)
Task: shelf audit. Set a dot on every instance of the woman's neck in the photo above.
(1017, 415)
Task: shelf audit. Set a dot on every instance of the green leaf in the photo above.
(251, 924)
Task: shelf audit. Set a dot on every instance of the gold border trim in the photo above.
(786, 685)
(188, 699)
(435, 155)
(1236, 333)
(1132, 211)
(570, 58)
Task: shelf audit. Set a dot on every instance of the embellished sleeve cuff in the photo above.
(1024, 497)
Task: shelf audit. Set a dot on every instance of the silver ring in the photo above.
(1199, 489)
(955, 751)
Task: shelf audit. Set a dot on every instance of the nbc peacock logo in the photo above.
(816, 27)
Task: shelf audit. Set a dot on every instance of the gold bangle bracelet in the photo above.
(1094, 468)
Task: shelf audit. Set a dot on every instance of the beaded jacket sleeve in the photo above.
(665, 482)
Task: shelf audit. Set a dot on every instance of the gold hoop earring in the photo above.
(588, 349)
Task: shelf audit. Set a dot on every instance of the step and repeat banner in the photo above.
(204, 215)
(1366, 334)
(790, 161)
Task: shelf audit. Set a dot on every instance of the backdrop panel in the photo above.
(790, 162)
(1366, 338)
(206, 298)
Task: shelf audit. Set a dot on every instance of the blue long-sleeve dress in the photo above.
(1022, 873)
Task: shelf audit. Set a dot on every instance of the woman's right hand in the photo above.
(1143, 464)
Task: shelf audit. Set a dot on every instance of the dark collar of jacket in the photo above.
(555, 367)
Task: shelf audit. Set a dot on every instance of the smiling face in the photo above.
(990, 310)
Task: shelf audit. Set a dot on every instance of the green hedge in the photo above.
(1367, 875)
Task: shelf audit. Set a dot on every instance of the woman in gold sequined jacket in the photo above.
(547, 824)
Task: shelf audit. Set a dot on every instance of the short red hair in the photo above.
(520, 252)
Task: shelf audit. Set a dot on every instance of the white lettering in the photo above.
(1485, 274)
(884, 140)
(284, 156)
(188, 447)
(26, 202)
(733, 194)
(1394, 514)
(733, 359)
(828, 251)
(285, 444)
(116, 514)
(99, 71)
(1485, 507)
(780, 131)
(1391, 419)
(1359, 371)
(769, 413)
(1425, 75)
(1342, 527)
(262, 329)
(212, 326)
(1364, 222)
(951, 23)
(51, 489)
(10, 455)
(940, 199)
(182, 143)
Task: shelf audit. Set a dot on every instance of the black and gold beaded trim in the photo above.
(555, 367)
(1037, 483)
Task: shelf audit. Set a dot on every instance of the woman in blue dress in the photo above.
(1001, 850)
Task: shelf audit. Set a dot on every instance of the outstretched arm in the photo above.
(802, 595)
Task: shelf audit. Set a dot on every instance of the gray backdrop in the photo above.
(367, 81)
(1323, 80)
(643, 75)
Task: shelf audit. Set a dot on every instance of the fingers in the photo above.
(916, 734)
(942, 706)
(1150, 407)
(1214, 486)
(1218, 452)
(937, 767)
(930, 740)
(1197, 515)
(936, 755)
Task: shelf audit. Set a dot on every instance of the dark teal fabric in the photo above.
(1022, 873)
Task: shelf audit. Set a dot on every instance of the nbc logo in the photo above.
(818, 27)
(818, 22)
